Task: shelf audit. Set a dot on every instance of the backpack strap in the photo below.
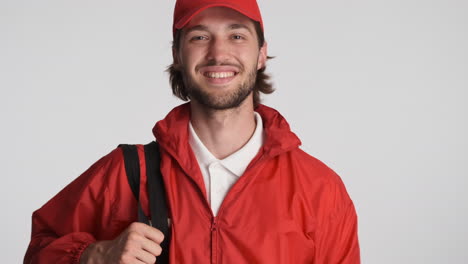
(155, 189)
(132, 169)
(157, 197)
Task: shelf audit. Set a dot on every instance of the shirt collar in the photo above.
(238, 161)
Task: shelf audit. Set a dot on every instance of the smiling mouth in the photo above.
(219, 75)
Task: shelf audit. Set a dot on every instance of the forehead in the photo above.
(216, 16)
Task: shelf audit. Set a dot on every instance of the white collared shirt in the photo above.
(220, 175)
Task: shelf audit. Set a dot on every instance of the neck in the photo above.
(223, 132)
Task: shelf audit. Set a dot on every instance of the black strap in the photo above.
(155, 187)
(132, 168)
(157, 197)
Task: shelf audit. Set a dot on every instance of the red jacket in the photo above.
(288, 207)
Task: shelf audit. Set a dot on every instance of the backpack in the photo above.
(155, 189)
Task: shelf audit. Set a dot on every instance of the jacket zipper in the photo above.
(213, 227)
(214, 240)
(214, 219)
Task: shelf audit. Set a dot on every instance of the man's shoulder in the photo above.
(107, 170)
(109, 161)
(317, 180)
(310, 163)
(313, 171)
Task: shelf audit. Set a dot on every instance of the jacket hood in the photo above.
(172, 133)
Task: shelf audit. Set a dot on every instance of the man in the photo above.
(238, 187)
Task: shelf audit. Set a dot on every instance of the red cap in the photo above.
(185, 10)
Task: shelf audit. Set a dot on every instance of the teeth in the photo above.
(218, 75)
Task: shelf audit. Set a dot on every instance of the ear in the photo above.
(262, 56)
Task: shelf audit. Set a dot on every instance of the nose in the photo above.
(218, 51)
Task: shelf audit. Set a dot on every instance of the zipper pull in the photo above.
(213, 225)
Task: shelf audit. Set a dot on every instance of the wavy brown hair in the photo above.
(262, 82)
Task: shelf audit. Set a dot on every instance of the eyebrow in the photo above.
(195, 28)
(239, 26)
(205, 28)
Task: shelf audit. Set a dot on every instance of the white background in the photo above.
(375, 89)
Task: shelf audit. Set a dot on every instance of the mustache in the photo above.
(217, 63)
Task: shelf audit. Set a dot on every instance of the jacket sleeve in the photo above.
(76, 216)
(338, 235)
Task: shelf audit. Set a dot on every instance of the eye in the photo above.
(198, 38)
(237, 37)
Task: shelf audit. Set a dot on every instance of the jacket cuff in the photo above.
(79, 251)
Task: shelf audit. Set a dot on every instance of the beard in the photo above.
(228, 100)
